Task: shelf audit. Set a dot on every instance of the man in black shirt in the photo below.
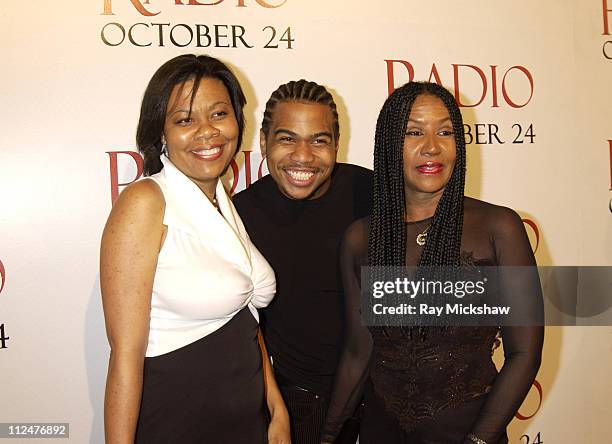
(296, 217)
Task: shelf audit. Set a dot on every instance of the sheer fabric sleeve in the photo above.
(522, 344)
(353, 365)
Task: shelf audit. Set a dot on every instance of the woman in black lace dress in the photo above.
(430, 385)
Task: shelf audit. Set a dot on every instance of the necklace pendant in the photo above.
(421, 239)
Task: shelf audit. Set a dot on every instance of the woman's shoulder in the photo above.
(147, 191)
(358, 228)
(136, 217)
(141, 198)
(497, 218)
(356, 235)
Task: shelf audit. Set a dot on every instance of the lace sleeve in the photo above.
(522, 344)
(353, 365)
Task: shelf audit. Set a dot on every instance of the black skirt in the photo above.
(210, 391)
(449, 426)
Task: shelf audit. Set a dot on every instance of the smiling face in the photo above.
(301, 149)
(201, 141)
(429, 148)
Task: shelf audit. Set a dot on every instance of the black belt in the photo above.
(285, 382)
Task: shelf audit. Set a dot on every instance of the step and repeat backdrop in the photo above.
(534, 80)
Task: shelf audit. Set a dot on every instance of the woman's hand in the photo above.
(278, 430)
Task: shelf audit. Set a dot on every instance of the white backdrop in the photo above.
(71, 82)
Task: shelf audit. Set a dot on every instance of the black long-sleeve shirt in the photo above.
(450, 367)
(303, 325)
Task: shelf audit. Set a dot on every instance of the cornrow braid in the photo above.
(387, 239)
(300, 91)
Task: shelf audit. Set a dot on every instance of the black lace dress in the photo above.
(436, 385)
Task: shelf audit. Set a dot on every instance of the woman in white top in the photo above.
(181, 280)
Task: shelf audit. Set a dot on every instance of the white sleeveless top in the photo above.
(208, 269)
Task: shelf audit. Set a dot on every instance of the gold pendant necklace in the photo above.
(421, 238)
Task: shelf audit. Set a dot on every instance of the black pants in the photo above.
(306, 414)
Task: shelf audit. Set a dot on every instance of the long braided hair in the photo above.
(387, 239)
(300, 91)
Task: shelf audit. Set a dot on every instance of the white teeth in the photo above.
(300, 175)
(208, 152)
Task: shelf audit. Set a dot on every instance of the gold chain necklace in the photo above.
(421, 238)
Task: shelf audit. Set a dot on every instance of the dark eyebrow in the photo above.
(292, 134)
(188, 111)
(220, 102)
(322, 133)
(444, 120)
(284, 131)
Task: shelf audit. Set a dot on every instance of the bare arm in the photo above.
(128, 256)
(278, 431)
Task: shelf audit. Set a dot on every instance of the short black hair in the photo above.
(300, 91)
(155, 101)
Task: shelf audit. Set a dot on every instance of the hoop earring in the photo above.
(164, 149)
